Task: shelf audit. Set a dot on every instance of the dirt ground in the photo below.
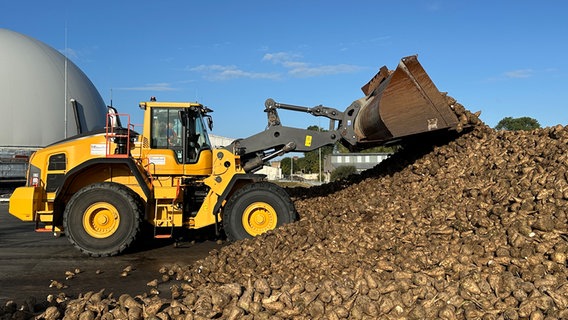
(29, 261)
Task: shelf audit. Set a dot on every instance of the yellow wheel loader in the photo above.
(102, 188)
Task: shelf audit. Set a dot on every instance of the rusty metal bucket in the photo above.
(401, 103)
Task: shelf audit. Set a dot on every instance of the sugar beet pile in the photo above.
(471, 228)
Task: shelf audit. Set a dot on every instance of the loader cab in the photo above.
(181, 128)
(166, 130)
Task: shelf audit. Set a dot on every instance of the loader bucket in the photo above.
(401, 103)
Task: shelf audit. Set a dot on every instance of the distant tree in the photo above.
(310, 163)
(342, 172)
(514, 124)
(286, 165)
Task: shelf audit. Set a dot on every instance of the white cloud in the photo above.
(301, 69)
(519, 74)
(70, 53)
(307, 71)
(220, 72)
(150, 87)
(284, 58)
(290, 61)
(433, 6)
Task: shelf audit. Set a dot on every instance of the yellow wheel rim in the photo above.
(258, 218)
(101, 220)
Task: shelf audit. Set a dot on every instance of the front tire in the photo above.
(103, 219)
(255, 209)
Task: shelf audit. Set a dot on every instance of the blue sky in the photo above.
(505, 58)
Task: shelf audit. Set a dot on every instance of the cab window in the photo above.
(166, 128)
(197, 138)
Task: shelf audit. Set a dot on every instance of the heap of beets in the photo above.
(468, 228)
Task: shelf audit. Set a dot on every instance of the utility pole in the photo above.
(319, 160)
(291, 168)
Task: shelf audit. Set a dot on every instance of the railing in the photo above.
(117, 136)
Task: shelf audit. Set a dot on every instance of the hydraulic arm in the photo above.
(277, 139)
(397, 105)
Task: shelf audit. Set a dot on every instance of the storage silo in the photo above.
(44, 97)
(36, 108)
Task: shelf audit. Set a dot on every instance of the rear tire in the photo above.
(255, 209)
(103, 219)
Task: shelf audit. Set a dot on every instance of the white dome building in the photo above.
(37, 109)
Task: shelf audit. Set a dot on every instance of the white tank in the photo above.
(36, 108)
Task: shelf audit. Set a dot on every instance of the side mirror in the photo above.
(210, 122)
